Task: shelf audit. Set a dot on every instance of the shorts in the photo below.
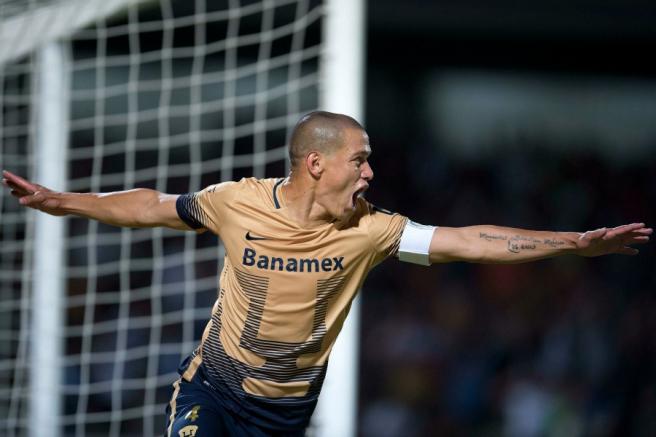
(194, 411)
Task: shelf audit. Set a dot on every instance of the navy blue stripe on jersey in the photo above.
(275, 193)
(190, 211)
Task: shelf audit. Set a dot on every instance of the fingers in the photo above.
(642, 232)
(626, 250)
(17, 183)
(620, 230)
(616, 240)
(635, 239)
(15, 189)
(631, 234)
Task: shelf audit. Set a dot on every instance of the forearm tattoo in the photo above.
(519, 243)
(489, 237)
(553, 243)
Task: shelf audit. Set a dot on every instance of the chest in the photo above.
(268, 244)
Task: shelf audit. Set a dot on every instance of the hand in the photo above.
(619, 240)
(33, 195)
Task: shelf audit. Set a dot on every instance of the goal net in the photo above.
(172, 95)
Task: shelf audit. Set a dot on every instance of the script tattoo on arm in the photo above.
(489, 237)
(518, 243)
(553, 243)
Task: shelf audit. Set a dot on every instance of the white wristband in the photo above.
(415, 243)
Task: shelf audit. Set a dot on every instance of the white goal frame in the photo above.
(52, 82)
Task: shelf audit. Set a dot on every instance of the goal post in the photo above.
(51, 106)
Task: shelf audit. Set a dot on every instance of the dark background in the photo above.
(530, 114)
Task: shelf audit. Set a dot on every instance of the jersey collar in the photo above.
(275, 193)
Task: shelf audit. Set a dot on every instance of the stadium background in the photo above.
(538, 115)
(533, 114)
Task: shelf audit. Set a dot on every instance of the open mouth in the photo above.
(358, 193)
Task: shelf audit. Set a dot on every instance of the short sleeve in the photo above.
(202, 210)
(385, 229)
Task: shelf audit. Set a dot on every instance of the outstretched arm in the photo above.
(500, 245)
(136, 208)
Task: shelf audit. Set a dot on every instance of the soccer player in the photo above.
(297, 250)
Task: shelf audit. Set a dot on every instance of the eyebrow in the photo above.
(366, 152)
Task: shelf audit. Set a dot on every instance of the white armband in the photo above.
(415, 243)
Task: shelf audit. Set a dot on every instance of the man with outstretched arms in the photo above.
(297, 250)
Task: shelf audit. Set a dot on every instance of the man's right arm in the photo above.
(138, 208)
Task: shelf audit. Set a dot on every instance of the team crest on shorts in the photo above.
(188, 431)
(193, 414)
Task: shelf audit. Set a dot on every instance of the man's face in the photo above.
(346, 174)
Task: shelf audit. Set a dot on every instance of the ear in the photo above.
(314, 164)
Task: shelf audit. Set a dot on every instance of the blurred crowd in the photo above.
(560, 347)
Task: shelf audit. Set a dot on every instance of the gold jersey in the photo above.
(284, 290)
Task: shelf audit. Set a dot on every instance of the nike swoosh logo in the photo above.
(249, 237)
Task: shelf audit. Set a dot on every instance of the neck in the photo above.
(302, 203)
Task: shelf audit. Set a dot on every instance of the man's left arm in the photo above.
(500, 245)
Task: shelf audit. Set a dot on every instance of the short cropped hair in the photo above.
(321, 131)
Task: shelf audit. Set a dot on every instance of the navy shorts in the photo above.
(194, 411)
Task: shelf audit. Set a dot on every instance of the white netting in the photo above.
(172, 95)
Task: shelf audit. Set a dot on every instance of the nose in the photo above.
(367, 173)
